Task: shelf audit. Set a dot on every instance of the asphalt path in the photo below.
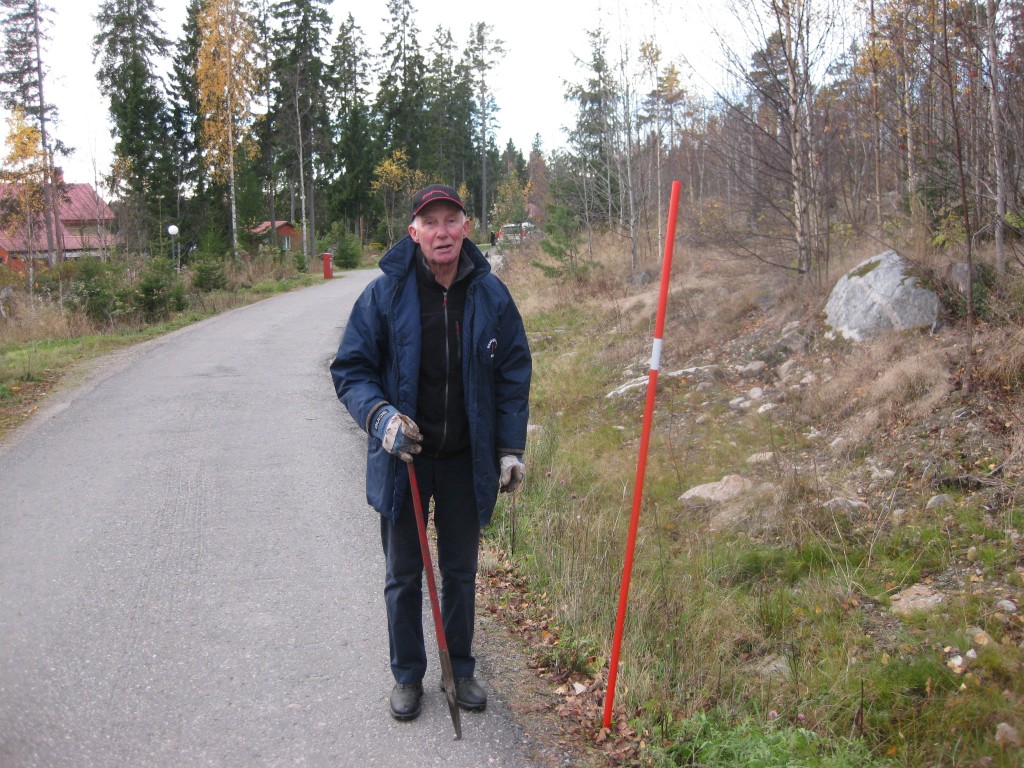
(189, 572)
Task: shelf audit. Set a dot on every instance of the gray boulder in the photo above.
(880, 295)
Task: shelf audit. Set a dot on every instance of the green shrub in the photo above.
(208, 273)
(562, 244)
(10, 276)
(94, 289)
(349, 251)
(345, 246)
(159, 290)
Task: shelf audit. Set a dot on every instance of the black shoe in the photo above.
(405, 700)
(469, 694)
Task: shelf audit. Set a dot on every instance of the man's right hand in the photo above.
(398, 433)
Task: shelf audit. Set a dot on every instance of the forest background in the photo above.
(827, 121)
(831, 132)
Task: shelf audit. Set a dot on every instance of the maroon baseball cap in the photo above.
(433, 193)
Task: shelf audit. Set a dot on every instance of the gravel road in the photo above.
(189, 572)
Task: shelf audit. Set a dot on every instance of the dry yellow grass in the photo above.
(902, 375)
(32, 319)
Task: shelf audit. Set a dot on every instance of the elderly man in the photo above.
(434, 364)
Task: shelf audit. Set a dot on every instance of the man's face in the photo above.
(439, 230)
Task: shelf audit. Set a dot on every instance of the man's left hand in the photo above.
(513, 470)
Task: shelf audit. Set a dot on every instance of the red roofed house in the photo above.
(85, 228)
(287, 235)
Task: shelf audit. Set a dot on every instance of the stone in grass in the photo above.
(880, 294)
(1007, 736)
(918, 598)
(1006, 606)
(941, 501)
(842, 504)
(752, 370)
(726, 489)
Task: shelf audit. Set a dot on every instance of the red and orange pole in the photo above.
(645, 439)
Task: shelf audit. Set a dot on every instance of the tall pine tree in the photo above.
(22, 78)
(191, 179)
(400, 94)
(354, 153)
(300, 117)
(129, 47)
(449, 149)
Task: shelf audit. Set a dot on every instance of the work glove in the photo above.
(397, 432)
(512, 473)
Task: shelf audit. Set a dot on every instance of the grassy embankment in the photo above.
(762, 630)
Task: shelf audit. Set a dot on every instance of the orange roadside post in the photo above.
(641, 467)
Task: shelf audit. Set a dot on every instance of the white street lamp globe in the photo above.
(172, 230)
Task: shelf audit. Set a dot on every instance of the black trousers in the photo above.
(449, 482)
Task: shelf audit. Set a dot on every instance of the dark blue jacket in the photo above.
(379, 360)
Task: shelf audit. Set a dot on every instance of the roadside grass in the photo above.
(775, 639)
(712, 740)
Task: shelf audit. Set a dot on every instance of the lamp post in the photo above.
(175, 254)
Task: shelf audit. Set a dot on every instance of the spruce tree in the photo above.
(354, 155)
(191, 179)
(592, 141)
(129, 47)
(300, 117)
(449, 140)
(401, 93)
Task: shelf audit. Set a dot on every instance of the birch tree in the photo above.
(996, 123)
(227, 82)
(22, 212)
(792, 40)
(394, 183)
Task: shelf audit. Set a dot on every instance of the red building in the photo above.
(85, 227)
(287, 235)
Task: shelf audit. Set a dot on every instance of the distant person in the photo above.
(434, 364)
(494, 239)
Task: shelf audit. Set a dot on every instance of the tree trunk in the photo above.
(991, 9)
(877, 122)
(967, 379)
(51, 198)
(483, 159)
(913, 200)
(302, 182)
(798, 140)
(231, 186)
(272, 183)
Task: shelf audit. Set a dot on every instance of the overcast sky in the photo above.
(542, 39)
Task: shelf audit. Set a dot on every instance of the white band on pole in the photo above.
(656, 355)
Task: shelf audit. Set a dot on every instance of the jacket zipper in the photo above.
(447, 367)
